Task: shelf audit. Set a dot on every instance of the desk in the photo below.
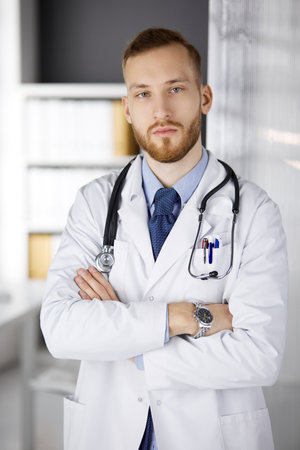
(22, 308)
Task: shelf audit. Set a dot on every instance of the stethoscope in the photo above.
(105, 259)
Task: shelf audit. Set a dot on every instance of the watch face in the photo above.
(204, 315)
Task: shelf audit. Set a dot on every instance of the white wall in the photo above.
(254, 71)
(11, 158)
(11, 169)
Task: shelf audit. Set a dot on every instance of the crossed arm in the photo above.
(249, 357)
(92, 284)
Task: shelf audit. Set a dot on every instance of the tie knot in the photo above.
(164, 200)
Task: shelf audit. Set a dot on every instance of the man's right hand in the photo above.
(182, 320)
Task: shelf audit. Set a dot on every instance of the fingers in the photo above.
(86, 292)
(92, 284)
(103, 281)
(83, 295)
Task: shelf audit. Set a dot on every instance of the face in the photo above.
(165, 102)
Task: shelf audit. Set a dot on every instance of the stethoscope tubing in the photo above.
(213, 274)
(230, 174)
(105, 259)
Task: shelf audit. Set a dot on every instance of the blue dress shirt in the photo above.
(185, 188)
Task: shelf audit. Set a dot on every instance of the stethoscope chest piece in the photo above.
(105, 260)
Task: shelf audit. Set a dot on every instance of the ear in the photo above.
(206, 98)
(126, 109)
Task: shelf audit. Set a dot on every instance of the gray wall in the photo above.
(83, 40)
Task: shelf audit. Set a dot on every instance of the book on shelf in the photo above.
(77, 130)
(124, 141)
(41, 249)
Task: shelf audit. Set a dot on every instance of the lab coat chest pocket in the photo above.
(253, 424)
(117, 274)
(206, 261)
(73, 423)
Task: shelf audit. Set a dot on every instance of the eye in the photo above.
(176, 90)
(142, 94)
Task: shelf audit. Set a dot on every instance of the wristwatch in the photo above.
(204, 318)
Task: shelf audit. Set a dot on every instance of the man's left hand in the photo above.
(92, 285)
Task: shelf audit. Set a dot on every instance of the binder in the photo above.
(124, 141)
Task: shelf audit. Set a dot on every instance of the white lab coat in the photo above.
(204, 394)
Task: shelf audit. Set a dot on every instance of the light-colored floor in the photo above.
(48, 409)
(9, 410)
(283, 403)
(284, 406)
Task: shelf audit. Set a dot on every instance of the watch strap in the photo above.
(203, 329)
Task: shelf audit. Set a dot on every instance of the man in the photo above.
(147, 380)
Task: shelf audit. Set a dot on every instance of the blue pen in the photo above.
(210, 255)
(216, 243)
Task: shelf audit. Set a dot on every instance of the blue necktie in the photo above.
(160, 226)
(163, 218)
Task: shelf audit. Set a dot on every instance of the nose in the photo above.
(161, 109)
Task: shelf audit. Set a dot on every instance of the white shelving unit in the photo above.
(66, 169)
(17, 165)
(73, 90)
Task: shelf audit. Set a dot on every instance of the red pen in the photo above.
(205, 247)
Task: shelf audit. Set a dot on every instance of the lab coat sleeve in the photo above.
(251, 354)
(92, 329)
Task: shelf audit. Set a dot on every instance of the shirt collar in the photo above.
(185, 186)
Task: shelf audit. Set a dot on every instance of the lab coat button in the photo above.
(140, 399)
(158, 402)
(151, 298)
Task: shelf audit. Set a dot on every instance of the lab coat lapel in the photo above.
(180, 239)
(133, 214)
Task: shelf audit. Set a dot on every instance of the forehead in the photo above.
(159, 64)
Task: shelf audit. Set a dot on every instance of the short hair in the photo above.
(159, 37)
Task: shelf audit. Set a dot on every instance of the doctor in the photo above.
(169, 361)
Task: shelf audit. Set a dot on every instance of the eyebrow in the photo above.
(169, 82)
(138, 86)
(177, 80)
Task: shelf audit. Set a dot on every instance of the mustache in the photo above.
(165, 123)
